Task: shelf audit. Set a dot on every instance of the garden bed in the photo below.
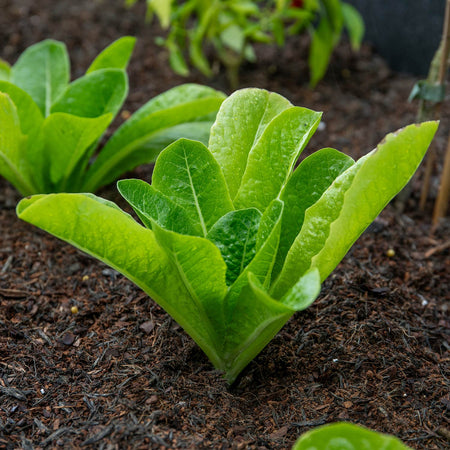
(373, 349)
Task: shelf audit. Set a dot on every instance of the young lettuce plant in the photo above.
(50, 129)
(347, 436)
(234, 241)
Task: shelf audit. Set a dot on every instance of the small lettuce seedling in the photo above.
(347, 436)
(50, 129)
(234, 241)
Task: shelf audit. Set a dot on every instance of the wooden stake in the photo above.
(441, 57)
(441, 205)
(445, 45)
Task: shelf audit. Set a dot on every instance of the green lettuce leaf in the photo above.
(30, 115)
(347, 436)
(13, 147)
(151, 205)
(235, 236)
(257, 140)
(67, 138)
(116, 56)
(93, 95)
(309, 181)
(278, 150)
(199, 264)
(352, 202)
(257, 318)
(5, 70)
(241, 120)
(112, 236)
(262, 263)
(187, 173)
(43, 71)
(183, 111)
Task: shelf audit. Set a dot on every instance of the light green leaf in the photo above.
(333, 10)
(269, 222)
(150, 205)
(233, 37)
(176, 59)
(100, 92)
(245, 8)
(241, 120)
(257, 318)
(163, 9)
(29, 114)
(352, 202)
(43, 71)
(197, 56)
(67, 138)
(309, 181)
(278, 149)
(187, 173)
(31, 121)
(304, 292)
(13, 165)
(115, 56)
(323, 42)
(106, 232)
(202, 269)
(5, 70)
(235, 236)
(154, 126)
(347, 436)
(354, 24)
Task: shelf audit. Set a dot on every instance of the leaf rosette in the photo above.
(234, 241)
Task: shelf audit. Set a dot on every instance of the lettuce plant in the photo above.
(233, 240)
(347, 436)
(50, 129)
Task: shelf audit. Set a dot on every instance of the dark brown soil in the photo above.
(373, 349)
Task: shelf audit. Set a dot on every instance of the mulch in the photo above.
(120, 373)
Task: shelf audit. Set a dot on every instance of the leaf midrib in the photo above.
(48, 86)
(194, 193)
(255, 140)
(244, 253)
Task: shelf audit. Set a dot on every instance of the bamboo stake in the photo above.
(436, 76)
(441, 205)
(446, 45)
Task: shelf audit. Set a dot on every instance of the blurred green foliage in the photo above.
(231, 27)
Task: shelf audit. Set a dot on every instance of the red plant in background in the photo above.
(297, 4)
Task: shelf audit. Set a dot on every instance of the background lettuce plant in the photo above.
(347, 436)
(233, 240)
(50, 128)
(231, 27)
